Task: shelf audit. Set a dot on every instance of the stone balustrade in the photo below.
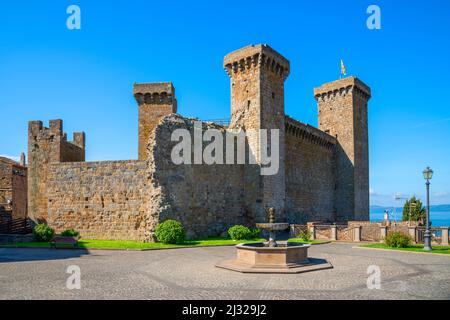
(368, 231)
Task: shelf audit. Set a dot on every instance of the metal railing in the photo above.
(222, 122)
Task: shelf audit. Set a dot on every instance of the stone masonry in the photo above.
(322, 176)
(13, 190)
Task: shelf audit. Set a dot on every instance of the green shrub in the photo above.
(43, 233)
(397, 240)
(239, 232)
(170, 231)
(305, 235)
(70, 233)
(255, 233)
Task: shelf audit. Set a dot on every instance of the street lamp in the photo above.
(427, 175)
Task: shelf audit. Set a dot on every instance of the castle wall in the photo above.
(207, 199)
(19, 192)
(323, 173)
(45, 146)
(342, 106)
(310, 175)
(101, 200)
(5, 190)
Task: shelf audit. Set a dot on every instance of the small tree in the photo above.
(418, 212)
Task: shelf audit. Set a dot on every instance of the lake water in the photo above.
(437, 218)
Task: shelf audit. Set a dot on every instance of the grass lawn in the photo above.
(133, 245)
(310, 241)
(137, 245)
(413, 248)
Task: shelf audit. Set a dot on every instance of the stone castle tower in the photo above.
(155, 100)
(46, 146)
(342, 108)
(257, 76)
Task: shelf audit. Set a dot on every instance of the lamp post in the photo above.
(427, 175)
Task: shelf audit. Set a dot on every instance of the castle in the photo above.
(323, 172)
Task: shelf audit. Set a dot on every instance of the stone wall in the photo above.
(13, 186)
(5, 189)
(310, 193)
(101, 200)
(323, 173)
(19, 194)
(45, 146)
(207, 199)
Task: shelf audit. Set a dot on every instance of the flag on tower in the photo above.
(343, 72)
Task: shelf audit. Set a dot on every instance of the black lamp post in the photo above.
(427, 175)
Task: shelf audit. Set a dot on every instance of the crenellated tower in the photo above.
(155, 101)
(45, 146)
(342, 107)
(257, 74)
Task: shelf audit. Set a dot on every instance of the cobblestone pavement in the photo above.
(190, 274)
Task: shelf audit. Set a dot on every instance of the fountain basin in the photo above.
(285, 258)
(260, 256)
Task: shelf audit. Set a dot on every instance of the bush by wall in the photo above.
(170, 231)
(43, 233)
(70, 233)
(397, 240)
(239, 232)
(305, 235)
(255, 233)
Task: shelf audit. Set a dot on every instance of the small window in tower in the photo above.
(273, 95)
(248, 104)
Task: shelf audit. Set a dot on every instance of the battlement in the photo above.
(154, 93)
(340, 88)
(257, 56)
(54, 133)
(309, 133)
(45, 146)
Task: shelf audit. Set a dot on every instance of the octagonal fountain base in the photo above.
(287, 257)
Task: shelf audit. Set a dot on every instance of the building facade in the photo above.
(13, 190)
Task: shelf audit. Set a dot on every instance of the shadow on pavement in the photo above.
(32, 254)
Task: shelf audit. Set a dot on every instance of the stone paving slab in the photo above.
(190, 274)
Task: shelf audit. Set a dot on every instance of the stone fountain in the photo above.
(273, 256)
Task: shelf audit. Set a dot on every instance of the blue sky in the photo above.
(85, 76)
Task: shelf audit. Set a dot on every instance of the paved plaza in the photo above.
(190, 274)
